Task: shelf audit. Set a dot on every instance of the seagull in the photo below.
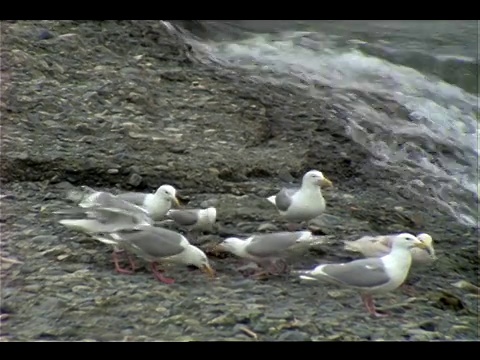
(155, 244)
(194, 219)
(103, 212)
(304, 203)
(377, 246)
(268, 249)
(157, 204)
(372, 275)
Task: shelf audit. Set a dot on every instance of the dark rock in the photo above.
(45, 35)
(134, 180)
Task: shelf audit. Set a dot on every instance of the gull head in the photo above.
(169, 193)
(231, 244)
(407, 241)
(198, 258)
(428, 241)
(316, 178)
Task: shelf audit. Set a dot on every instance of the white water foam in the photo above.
(441, 115)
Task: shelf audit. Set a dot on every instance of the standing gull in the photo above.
(155, 244)
(372, 275)
(268, 249)
(157, 204)
(194, 219)
(103, 212)
(304, 203)
(377, 246)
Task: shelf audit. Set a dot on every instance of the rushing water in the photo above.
(428, 68)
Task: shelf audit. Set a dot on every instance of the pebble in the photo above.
(136, 135)
(179, 149)
(422, 335)
(427, 325)
(85, 129)
(227, 319)
(46, 239)
(45, 35)
(81, 288)
(294, 335)
(22, 156)
(27, 269)
(460, 329)
(467, 286)
(33, 288)
(267, 227)
(207, 203)
(62, 257)
(338, 294)
(134, 180)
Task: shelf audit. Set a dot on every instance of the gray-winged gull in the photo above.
(157, 204)
(268, 249)
(377, 246)
(103, 212)
(159, 245)
(194, 219)
(372, 275)
(304, 203)
(91, 198)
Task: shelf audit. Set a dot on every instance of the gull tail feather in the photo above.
(106, 240)
(165, 222)
(308, 238)
(85, 225)
(301, 272)
(75, 211)
(314, 274)
(309, 278)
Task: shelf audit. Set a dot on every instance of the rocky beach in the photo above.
(124, 106)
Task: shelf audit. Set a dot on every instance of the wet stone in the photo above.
(44, 34)
(33, 288)
(422, 335)
(45, 239)
(268, 227)
(134, 180)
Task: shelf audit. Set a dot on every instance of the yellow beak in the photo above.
(431, 251)
(175, 200)
(208, 270)
(326, 183)
(422, 246)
